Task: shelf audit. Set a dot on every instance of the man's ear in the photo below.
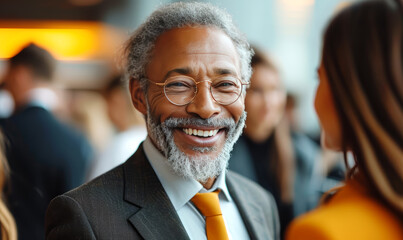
(138, 96)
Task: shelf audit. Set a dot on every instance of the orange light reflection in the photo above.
(66, 41)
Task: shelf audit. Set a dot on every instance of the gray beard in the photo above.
(199, 167)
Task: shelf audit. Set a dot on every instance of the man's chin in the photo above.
(197, 151)
(196, 164)
(198, 159)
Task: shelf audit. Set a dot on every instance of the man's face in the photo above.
(201, 53)
(9, 80)
(18, 80)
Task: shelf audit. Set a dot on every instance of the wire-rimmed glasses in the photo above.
(181, 90)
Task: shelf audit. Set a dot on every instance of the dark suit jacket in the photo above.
(129, 202)
(46, 158)
(260, 170)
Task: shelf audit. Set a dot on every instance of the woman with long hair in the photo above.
(7, 223)
(268, 152)
(359, 102)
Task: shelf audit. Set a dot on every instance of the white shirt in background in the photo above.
(6, 104)
(119, 149)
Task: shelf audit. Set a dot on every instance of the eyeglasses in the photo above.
(181, 90)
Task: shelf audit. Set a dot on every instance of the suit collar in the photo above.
(250, 210)
(180, 190)
(156, 217)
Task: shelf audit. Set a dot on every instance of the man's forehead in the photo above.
(197, 40)
(190, 44)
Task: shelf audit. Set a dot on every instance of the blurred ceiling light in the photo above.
(63, 43)
(297, 3)
(66, 40)
(294, 14)
(341, 6)
(85, 2)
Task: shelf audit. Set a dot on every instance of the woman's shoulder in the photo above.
(350, 214)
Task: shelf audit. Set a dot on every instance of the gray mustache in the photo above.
(210, 122)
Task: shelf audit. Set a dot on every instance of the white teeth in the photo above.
(200, 133)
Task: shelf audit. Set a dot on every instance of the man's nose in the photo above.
(203, 104)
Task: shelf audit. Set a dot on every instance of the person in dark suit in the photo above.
(188, 67)
(46, 157)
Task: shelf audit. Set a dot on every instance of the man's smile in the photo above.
(200, 132)
(201, 136)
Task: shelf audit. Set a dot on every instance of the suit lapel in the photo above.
(156, 217)
(250, 211)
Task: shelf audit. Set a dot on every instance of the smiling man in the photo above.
(188, 67)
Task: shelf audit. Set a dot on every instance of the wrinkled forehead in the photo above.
(195, 40)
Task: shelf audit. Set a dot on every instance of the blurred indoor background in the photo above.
(86, 37)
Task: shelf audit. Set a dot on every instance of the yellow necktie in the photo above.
(209, 205)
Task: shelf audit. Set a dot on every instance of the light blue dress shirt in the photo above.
(180, 191)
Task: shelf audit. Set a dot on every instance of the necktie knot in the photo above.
(207, 203)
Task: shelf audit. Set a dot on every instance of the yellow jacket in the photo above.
(349, 214)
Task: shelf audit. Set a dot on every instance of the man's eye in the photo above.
(178, 86)
(225, 84)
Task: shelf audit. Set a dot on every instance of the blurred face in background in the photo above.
(18, 81)
(326, 111)
(117, 102)
(15, 79)
(265, 103)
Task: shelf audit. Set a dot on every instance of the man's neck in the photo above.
(209, 183)
(20, 101)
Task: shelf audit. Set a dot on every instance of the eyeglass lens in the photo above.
(182, 90)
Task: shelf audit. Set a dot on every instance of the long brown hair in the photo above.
(362, 55)
(7, 223)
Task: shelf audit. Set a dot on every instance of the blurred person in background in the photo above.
(329, 167)
(7, 223)
(6, 103)
(268, 152)
(88, 112)
(359, 102)
(46, 157)
(129, 127)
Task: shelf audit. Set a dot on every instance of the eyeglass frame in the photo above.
(196, 83)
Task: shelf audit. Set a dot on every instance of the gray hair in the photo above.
(176, 15)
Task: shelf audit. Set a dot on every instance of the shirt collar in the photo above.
(179, 189)
(43, 97)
